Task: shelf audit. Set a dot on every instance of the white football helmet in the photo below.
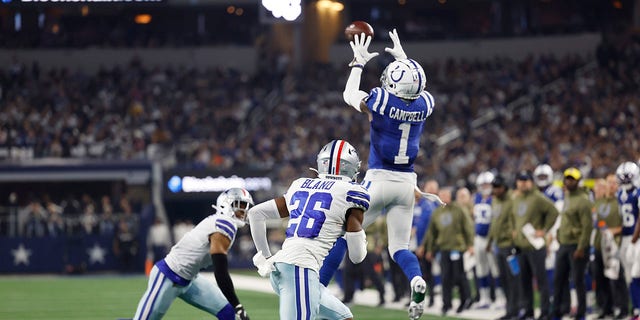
(338, 159)
(483, 182)
(404, 78)
(628, 174)
(235, 203)
(543, 175)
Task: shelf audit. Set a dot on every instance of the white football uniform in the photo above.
(191, 253)
(177, 274)
(317, 209)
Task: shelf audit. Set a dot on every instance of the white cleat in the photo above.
(418, 290)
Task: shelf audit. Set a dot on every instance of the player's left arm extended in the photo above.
(355, 236)
(218, 247)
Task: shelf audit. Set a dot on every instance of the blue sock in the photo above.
(484, 282)
(227, 313)
(332, 261)
(634, 289)
(408, 262)
(496, 283)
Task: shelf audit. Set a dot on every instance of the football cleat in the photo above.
(418, 290)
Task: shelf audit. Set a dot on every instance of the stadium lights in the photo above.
(289, 10)
(143, 18)
(330, 5)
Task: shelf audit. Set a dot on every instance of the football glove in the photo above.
(264, 266)
(397, 52)
(241, 314)
(360, 47)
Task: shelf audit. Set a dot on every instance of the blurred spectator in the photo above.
(158, 241)
(180, 228)
(89, 220)
(125, 246)
(35, 217)
(451, 234)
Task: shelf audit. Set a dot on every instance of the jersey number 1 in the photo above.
(402, 157)
(305, 220)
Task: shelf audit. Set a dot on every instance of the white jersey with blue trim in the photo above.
(554, 193)
(191, 253)
(317, 209)
(396, 127)
(629, 207)
(482, 214)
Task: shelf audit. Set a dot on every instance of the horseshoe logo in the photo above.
(400, 77)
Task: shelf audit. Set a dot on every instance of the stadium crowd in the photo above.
(223, 118)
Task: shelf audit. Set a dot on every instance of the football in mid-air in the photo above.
(358, 27)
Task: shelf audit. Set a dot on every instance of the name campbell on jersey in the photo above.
(395, 129)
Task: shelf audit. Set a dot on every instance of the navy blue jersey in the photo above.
(628, 206)
(396, 128)
(482, 214)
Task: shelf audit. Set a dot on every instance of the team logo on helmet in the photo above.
(235, 203)
(404, 78)
(338, 158)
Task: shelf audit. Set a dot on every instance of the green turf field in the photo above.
(112, 297)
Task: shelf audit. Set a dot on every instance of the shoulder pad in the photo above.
(359, 198)
(226, 227)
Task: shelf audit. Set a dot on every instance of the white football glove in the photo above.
(430, 196)
(264, 266)
(397, 51)
(360, 47)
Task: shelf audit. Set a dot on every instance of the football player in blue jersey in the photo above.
(177, 275)
(628, 196)
(320, 211)
(485, 262)
(397, 111)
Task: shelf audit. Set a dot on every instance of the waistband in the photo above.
(174, 277)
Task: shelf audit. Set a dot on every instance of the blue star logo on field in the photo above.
(96, 254)
(21, 255)
(175, 184)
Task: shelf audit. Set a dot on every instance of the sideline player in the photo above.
(485, 261)
(320, 210)
(176, 276)
(397, 112)
(628, 196)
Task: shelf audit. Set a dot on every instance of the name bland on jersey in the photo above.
(411, 116)
(324, 185)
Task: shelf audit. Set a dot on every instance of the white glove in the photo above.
(430, 196)
(360, 47)
(265, 267)
(397, 51)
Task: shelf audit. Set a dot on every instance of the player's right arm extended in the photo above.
(355, 236)
(352, 94)
(258, 215)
